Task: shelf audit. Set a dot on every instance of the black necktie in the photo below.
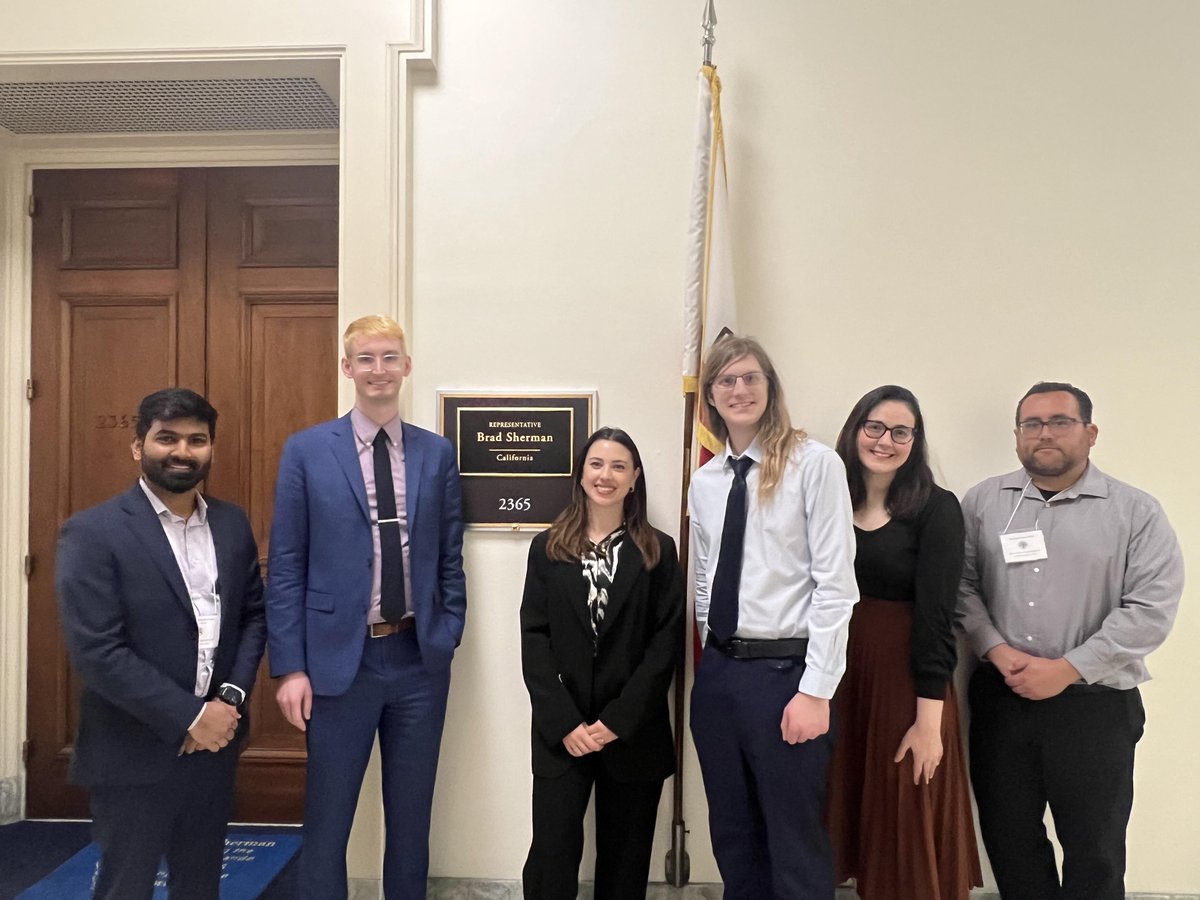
(723, 605)
(391, 556)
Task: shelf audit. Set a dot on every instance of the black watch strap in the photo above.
(227, 693)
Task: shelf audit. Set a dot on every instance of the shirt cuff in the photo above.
(1090, 667)
(985, 639)
(818, 684)
(196, 721)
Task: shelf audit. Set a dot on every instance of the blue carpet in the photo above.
(55, 861)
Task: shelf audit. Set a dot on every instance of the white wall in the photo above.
(963, 198)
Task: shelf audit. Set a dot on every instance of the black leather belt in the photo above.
(749, 648)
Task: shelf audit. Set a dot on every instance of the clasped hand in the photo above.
(215, 728)
(585, 739)
(1032, 677)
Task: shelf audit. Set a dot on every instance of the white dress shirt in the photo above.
(192, 545)
(798, 559)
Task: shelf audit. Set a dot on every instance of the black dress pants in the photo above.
(182, 818)
(626, 813)
(1073, 752)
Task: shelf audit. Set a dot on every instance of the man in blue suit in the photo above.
(161, 605)
(365, 606)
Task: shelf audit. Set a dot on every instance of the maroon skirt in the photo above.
(900, 841)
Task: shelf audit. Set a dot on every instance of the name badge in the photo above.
(1023, 546)
(209, 633)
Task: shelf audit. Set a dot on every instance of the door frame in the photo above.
(384, 116)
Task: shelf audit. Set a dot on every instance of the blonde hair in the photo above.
(373, 326)
(776, 435)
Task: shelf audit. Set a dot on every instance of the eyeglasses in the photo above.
(749, 379)
(901, 434)
(389, 362)
(1058, 425)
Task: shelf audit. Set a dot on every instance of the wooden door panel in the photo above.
(272, 337)
(103, 388)
(120, 234)
(297, 231)
(106, 330)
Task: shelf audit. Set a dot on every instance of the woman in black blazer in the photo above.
(602, 628)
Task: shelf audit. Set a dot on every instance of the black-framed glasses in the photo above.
(1058, 425)
(901, 434)
(749, 379)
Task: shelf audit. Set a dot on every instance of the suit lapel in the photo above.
(345, 449)
(414, 463)
(629, 564)
(145, 525)
(225, 573)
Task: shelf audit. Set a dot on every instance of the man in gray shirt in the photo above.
(1071, 578)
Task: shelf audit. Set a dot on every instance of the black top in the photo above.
(919, 561)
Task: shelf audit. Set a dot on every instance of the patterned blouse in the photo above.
(600, 568)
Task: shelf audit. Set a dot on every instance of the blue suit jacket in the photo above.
(321, 555)
(131, 632)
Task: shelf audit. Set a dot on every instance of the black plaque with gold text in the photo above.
(515, 453)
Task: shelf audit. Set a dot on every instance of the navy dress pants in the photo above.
(765, 796)
(392, 695)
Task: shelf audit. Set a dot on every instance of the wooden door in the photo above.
(222, 280)
(272, 368)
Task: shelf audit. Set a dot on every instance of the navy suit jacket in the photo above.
(322, 554)
(132, 636)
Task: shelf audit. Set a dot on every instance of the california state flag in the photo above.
(709, 311)
(708, 304)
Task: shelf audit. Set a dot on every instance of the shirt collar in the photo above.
(160, 508)
(1092, 483)
(754, 451)
(365, 428)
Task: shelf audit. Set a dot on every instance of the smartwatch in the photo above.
(227, 693)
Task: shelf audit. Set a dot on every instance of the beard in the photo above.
(1050, 467)
(177, 482)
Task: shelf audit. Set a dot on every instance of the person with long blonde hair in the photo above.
(773, 544)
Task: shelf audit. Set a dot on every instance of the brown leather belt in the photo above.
(748, 648)
(386, 629)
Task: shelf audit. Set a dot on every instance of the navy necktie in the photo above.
(391, 555)
(723, 605)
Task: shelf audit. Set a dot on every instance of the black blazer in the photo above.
(132, 636)
(624, 681)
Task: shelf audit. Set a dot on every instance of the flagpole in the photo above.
(678, 868)
(678, 865)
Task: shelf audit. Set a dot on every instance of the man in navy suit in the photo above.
(365, 606)
(161, 605)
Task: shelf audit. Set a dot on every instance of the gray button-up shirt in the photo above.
(1105, 596)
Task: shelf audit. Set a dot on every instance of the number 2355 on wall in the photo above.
(515, 453)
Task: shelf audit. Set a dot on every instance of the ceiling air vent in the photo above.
(201, 104)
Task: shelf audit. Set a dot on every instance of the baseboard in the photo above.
(10, 799)
(485, 889)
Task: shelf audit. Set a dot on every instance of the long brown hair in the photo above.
(776, 435)
(568, 539)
